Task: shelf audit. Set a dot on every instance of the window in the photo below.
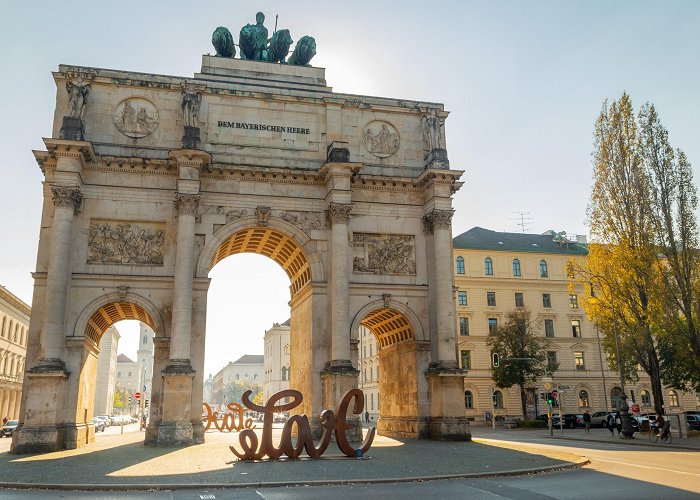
(573, 301)
(583, 399)
(543, 269)
(516, 267)
(493, 326)
(460, 265)
(549, 328)
(576, 327)
(488, 267)
(551, 360)
(546, 300)
(578, 360)
(463, 326)
(371, 400)
(673, 398)
(646, 400)
(519, 300)
(498, 397)
(462, 298)
(491, 299)
(255, 376)
(465, 358)
(468, 399)
(129, 374)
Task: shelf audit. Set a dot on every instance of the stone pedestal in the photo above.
(175, 426)
(447, 421)
(437, 158)
(72, 129)
(191, 138)
(43, 431)
(338, 379)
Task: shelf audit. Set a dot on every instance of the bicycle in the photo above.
(666, 438)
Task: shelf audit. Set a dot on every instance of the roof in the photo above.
(123, 358)
(250, 359)
(478, 238)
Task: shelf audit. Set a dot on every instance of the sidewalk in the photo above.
(596, 435)
(123, 462)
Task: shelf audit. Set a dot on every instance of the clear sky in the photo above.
(523, 80)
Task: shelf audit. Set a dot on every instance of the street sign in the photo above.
(547, 386)
(635, 408)
(555, 394)
(137, 395)
(563, 387)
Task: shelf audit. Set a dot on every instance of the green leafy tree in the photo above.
(233, 391)
(523, 354)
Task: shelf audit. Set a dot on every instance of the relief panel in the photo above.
(383, 253)
(126, 242)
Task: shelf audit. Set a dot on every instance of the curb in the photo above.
(633, 442)
(272, 484)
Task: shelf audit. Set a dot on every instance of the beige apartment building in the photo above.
(497, 272)
(106, 372)
(14, 323)
(247, 368)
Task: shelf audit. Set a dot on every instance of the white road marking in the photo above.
(646, 467)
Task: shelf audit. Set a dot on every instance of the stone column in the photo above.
(5, 394)
(438, 222)
(66, 200)
(12, 411)
(338, 217)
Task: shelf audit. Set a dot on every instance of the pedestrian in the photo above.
(587, 422)
(611, 423)
(4, 420)
(366, 416)
(618, 423)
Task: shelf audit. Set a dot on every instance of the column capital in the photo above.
(66, 196)
(338, 213)
(186, 204)
(437, 219)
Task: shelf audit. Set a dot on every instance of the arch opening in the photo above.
(109, 314)
(389, 327)
(270, 243)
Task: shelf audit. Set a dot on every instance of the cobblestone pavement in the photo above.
(121, 460)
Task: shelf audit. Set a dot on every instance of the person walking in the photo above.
(366, 416)
(611, 423)
(587, 422)
(4, 420)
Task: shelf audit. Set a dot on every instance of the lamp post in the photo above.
(623, 409)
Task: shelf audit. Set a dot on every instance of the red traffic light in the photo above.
(555, 394)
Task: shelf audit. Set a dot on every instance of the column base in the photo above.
(77, 435)
(338, 377)
(447, 420)
(44, 439)
(175, 427)
(403, 427)
(72, 129)
(191, 138)
(450, 428)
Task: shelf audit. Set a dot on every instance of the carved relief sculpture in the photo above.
(380, 138)
(302, 220)
(136, 117)
(114, 242)
(77, 98)
(432, 126)
(437, 219)
(186, 204)
(383, 253)
(66, 196)
(338, 213)
(191, 102)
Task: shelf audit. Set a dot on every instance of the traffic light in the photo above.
(129, 401)
(550, 400)
(494, 399)
(146, 404)
(495, 359)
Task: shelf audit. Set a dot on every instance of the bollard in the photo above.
(359, 453)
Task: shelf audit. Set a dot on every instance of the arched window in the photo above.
(646, 400)
(498, 395)
(543, 269)
(673, 398)
(516, 267)
(583, 399)
(488, 266)
(460, 265)
(468, 399)
(615, 397)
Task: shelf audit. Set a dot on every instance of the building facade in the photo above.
(277, 359)
(247, 368)
(369, 372)
(14, 325)
(498, 272)
(106, 372)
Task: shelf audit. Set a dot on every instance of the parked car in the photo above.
(105, 420)
(599, 419)
(693, 422)
(99, 424)
(9, 428)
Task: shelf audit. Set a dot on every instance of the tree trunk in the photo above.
(655, 376)
(523, 401)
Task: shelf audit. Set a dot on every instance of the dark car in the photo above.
(573, 420)
(693, 422)
(9, 428)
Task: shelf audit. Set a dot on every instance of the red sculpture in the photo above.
(331, 422)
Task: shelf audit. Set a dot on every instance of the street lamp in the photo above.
(625, 419)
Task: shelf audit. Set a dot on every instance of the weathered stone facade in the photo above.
(134, 219)
(14, 327)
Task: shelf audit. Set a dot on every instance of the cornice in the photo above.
(14, 301)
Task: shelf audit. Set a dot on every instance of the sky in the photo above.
(523, 80)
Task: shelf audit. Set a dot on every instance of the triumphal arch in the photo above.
(151, 180)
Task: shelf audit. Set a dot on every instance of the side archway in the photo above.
(404, 356)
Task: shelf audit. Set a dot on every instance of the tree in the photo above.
(643, 267)
(234, 390)
(523, 354)
(673, 202)
(119, 401)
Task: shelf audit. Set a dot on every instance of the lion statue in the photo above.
(223, 42)
(303, 52)
(279, 46)
(251, 42)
